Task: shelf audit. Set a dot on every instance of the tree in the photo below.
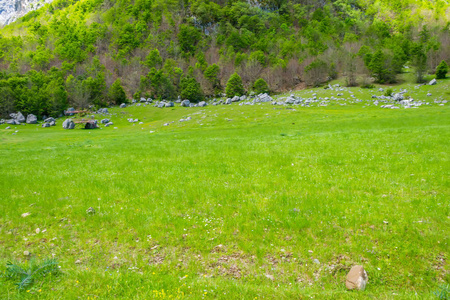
(212, 75)
(153, 59)
(235, 86)
(316, 72)
(190, 89)
(419, 61)
(260, 86)
(441, 70)
(116, 93)
(376, 67)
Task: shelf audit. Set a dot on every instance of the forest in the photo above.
(95, 53)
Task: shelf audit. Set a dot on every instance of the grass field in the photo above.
(241, 202)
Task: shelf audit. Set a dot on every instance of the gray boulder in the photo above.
(12, 122)
(2, 121)
(52, 123)
(8, 127)
(397, 97)
(31, 119)
(185, 103)
(170, 104)
(103, 111)
(429, 94)
(109, 124)
(46, 125)
(68, 124)
(19, 117)
(235, 99)
(104, 121)
(69, 110)
(432, 82)
(228, 101)
(48, 120)
(202, 104)
(123, 105)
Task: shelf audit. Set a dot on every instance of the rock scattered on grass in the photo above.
(90, 211)
(24, 215)
(357, 278)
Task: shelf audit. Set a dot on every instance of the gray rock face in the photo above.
(19, 117)
(12, 10)
(103, 111)
(433, 82)
(68, 124)
(123, 105)
(185, 103)
(31, 119)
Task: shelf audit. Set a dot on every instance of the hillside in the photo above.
(69, 53)
(12, 10)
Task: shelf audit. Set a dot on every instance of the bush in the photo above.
(190, 89)
(441, 70)
(388, 92)
(116, 93)
(235, 86)
(260, 86)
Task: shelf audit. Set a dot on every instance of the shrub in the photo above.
(26, 275)
(116, 93)
(190, 89)
(235, 87)
(388, 92)
(212, 75)
(260, 86)
(441, 70)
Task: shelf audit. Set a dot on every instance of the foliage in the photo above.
(441, 70)
(190, 89)
(212, 75)
(389, 92)
(260, 86)
(234, 86)
(116, 93)
(26, 274)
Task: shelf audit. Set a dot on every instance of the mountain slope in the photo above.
(163, 49)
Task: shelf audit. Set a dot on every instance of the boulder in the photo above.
(185, 103)
(228, 101)
(357, 278)
(8, 127)
(109, 124)
(429, 94)
(432, 82)
(104, 121)
(123, 105)
(46, 125)
(103, 111)
(31, 119)
(242, 98)
(170, 104)
(235, 99)
(12, 122)
(397, 97)
(202, 104)
(52, 123)
(48, 120)
(2, 121)
(19, 117)
(68, 124)
(69, 110)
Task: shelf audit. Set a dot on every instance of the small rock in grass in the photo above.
(357, 278)
(38, 230)
(90, 211)
(270, 277)
(78, 262)
(24, 215)
(26, 253)
(316, 261)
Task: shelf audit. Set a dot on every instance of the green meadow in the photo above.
(240, 202)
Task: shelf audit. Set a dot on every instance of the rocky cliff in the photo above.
(11, 10)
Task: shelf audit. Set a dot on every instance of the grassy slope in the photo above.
(270, 185)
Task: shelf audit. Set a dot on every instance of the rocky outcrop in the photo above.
(11, 10)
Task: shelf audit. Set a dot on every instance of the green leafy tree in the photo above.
(116, 93)
(419, 61)
(190, 89)
(441, 70)
(260, 86)
(235, 87)
(212, 75)
(153, 59)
